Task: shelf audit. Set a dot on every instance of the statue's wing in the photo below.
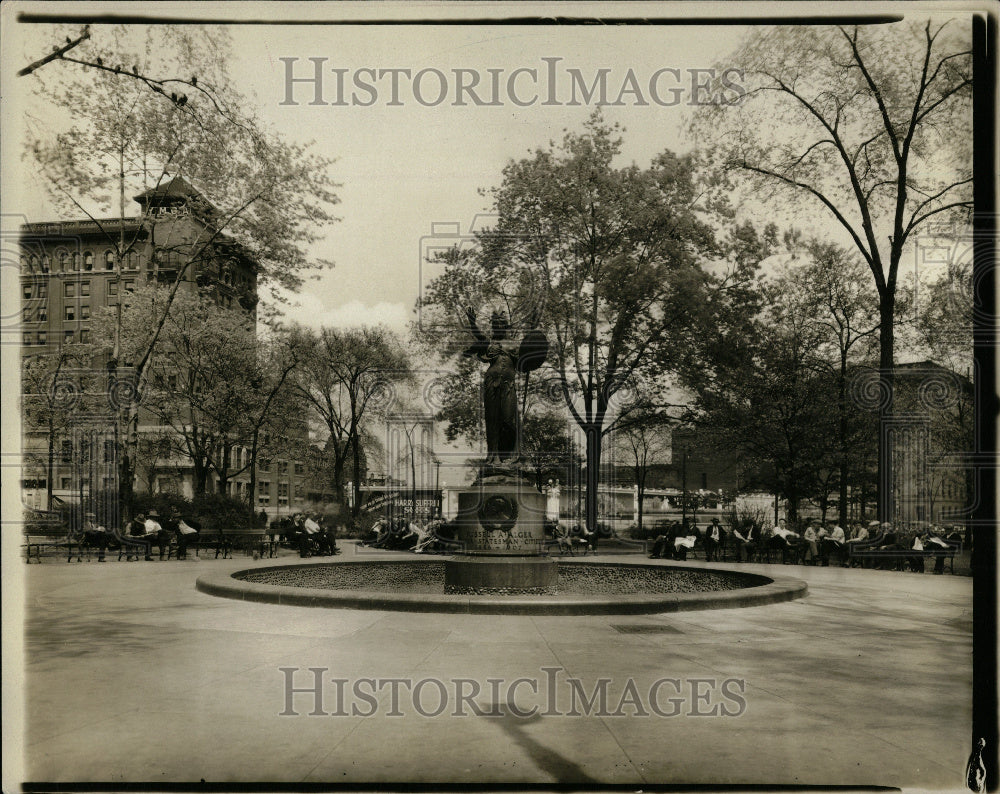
(534, 349)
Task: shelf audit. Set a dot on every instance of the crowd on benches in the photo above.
(871, 545)
(172, 536)
(312, 534)
(401, 534)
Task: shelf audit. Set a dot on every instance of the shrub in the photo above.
(219, 512)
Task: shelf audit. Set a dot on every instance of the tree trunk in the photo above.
(842, 431)
(887, 308)
(792, 505)
(356, 455)
(338, 477)
(641, 491)
(200, 477)
(51, 468)
(593, 432)
(252, 493)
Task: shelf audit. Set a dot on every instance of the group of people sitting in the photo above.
(145, 531)
(406, 535)
(681, 537)
(310, 533)
(817, 544)
(565, 536)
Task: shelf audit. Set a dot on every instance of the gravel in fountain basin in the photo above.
(591, 588)
(586, 579)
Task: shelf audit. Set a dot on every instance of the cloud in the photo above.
(309, 310)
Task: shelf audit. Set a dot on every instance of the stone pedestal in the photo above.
(500, 524)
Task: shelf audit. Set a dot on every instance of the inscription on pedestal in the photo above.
(502, 519)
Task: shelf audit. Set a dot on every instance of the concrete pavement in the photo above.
(133, 675)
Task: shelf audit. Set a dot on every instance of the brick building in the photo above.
(72, 269)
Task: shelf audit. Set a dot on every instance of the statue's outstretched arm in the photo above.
(480, 346)
(473, 327)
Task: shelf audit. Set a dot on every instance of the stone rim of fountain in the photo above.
(770, 590)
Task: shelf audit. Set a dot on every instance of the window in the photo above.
(69, 289)
(43, 313)
(109, 451)
(282, 493)
(28, 340)
(67, 451)
(85, 337)
(76, 261)
(88, 260)
(70, 312)
(27, 292)
(263, 492)
(68, 337)
(64, 483)
(130, 285)
(109, 260)
(46, 263)
(300, 469)
(34, 264)
(63, 259)
(112, 288)
(85, 288)
(26, 314)
(282, 467)
(85, 312)
(42, 337)
(264, 464)
(43, 290)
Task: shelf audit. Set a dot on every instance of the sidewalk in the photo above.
(133, 675)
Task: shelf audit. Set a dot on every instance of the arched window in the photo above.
(109, 260)
(46, 263)
(76, 260)
(88, 260)
(62, 257)
(34, 264)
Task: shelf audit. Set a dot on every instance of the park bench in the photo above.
(869, 550)
(39, 544)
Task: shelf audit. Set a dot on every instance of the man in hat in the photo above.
(187, 531)
(714, 536)
(153, 531)
(137, 534)
(861, 534)
(95, 535)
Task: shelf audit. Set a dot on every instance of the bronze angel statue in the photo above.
(499, 382)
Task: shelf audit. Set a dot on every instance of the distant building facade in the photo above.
(72, 269)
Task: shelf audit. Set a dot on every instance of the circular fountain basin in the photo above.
(586, 588)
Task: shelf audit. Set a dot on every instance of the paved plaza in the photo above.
(133, 675)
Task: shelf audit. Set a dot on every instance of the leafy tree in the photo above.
(607, 257)
(644, 442)
(345, 376)
(871, 124)
(203, 376)
(269, 198)
(757, 389)
(828, 287)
